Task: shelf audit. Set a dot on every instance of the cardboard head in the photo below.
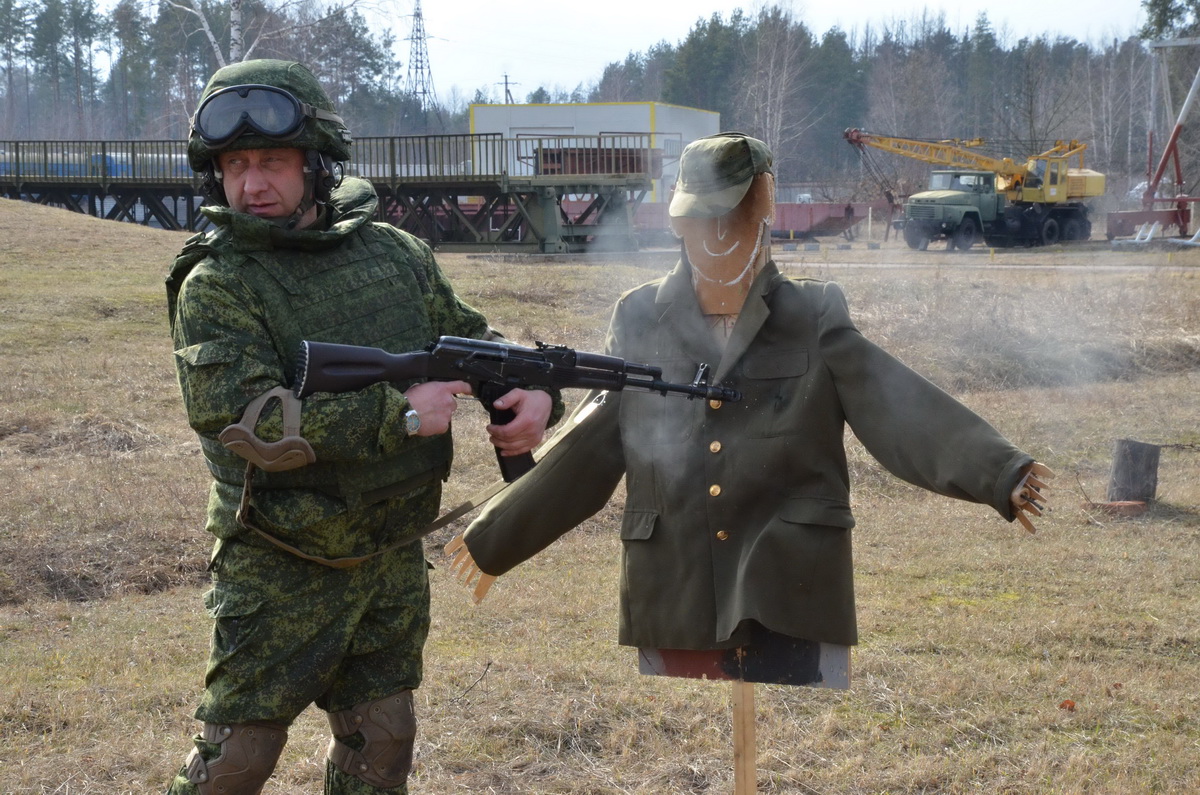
(715, 172)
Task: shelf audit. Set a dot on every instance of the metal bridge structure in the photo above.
(552, 194)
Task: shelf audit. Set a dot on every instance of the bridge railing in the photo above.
(480, 158)
(396, 159)
(98, 162)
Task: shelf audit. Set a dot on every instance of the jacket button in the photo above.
(714, 404)
(714, 447)
(714, 490)
(722, 535)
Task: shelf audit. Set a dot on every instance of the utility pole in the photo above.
(508, 97)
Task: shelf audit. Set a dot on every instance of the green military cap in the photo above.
(715, 172)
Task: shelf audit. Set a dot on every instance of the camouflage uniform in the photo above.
(290, 631)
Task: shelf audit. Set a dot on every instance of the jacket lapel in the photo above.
(751, 318)
(679, 313)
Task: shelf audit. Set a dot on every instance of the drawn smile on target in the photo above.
(724, 253)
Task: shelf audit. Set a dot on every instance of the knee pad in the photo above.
(248, 753)
(388, 728)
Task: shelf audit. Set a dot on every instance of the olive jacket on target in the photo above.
(741, 510)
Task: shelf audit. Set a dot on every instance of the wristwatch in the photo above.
(412, 422)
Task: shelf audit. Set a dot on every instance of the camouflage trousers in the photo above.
(289, 633)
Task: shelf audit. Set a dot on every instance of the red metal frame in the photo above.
(1125, 223)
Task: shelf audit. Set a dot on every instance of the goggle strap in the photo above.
(317, 113)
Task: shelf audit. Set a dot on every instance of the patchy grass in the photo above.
(992, 661)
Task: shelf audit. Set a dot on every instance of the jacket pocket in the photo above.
(776, 363)
(817, 511)
(804, 557)
(638, 525)
(200, 368)
(773, 384)
(653, 419)
(214, 352)
(234, 609)
(226, 600)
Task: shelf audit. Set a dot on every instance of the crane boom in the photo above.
(952, 152)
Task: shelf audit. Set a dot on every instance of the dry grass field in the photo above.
(992, 661)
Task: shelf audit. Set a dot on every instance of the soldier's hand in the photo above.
(1029, 495)
(435, 403)
(524, 432)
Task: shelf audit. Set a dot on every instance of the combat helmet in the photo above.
(264, 104)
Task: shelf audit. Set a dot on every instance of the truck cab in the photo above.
(958, 207)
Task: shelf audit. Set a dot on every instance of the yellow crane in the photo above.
(1039, 200)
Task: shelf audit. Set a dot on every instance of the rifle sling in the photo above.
(243, 519)
(399, 488)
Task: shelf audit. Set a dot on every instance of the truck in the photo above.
(1040, 201)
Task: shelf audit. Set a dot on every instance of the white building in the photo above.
(670, 127)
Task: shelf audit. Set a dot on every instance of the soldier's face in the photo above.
(268, 183)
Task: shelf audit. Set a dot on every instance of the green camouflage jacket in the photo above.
(241, 297)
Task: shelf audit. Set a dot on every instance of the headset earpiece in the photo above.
(211, 184)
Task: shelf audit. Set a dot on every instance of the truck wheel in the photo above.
(1050, 232)
(1073, 230)
(915, 237)
(964, 236)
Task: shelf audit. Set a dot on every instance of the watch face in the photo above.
(412, 422)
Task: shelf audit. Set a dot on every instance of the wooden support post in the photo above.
(1134, 474)
(745, 755)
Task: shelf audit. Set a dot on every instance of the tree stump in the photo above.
(1134, 473)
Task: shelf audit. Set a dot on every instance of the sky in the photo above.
(562, 43)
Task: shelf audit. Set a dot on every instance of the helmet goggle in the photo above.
(269, 111)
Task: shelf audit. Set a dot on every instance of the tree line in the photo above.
(70, 70)
(769, 75)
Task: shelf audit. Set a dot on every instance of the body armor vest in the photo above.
(363, 291)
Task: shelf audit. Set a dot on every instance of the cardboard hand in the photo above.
(465, 570)
(1029, 496)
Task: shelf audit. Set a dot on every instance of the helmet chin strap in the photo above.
(319, 183)
(309, 199)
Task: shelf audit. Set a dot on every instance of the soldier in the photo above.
(737, 519)
(320, 593)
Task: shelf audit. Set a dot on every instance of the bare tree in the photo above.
(774, 77)
(15, 17)
(913, 90)
(1045, 102)
(279, 21)
(1117, 79)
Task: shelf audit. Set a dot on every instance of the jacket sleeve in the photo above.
(225, 357)
(571, 483)
(914, 429)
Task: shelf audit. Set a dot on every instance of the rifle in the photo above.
(492, 369)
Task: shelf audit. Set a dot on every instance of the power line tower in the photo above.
(419, 82)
